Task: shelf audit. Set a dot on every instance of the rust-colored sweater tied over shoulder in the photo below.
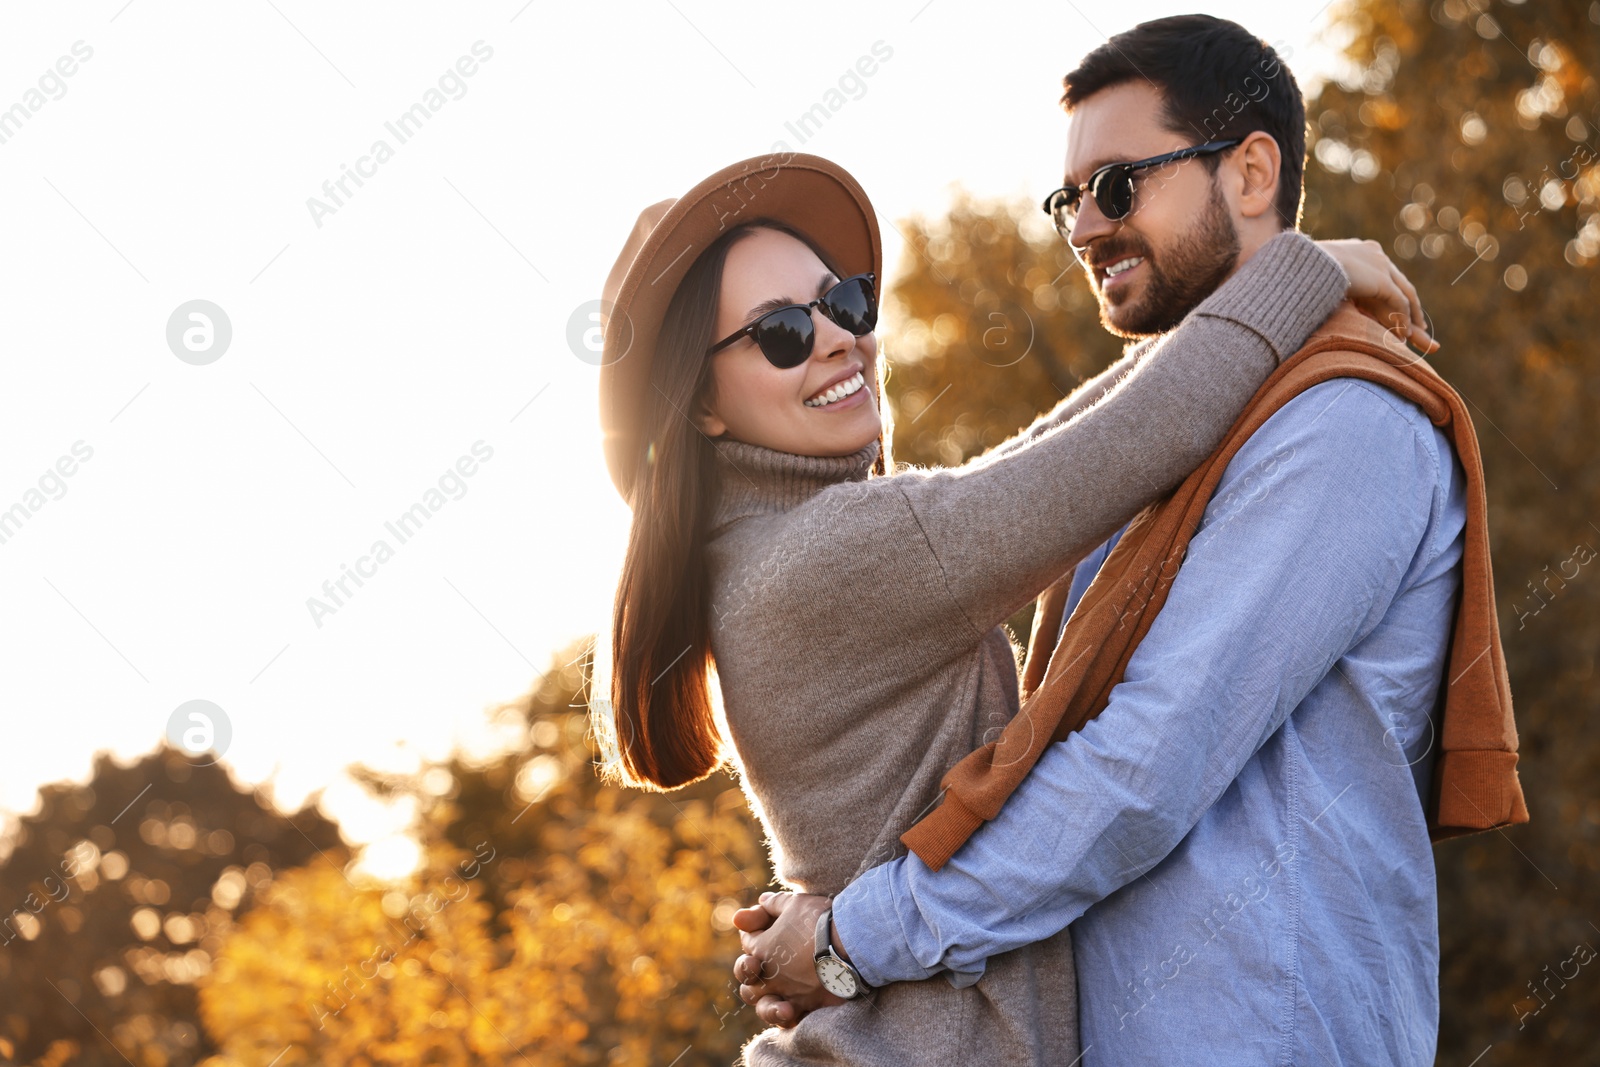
(1475, 785)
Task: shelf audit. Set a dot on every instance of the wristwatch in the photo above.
(836, 975)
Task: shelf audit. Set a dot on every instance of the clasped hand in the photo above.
(777, 972)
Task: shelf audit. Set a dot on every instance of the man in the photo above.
(1239, 839)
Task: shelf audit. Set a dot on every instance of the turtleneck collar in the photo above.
(753, 480)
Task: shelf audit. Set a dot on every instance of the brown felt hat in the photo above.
(807, 193)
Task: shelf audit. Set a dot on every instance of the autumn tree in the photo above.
(111, 903)
(556, 919)
(994, 324)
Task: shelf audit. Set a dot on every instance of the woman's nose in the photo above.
(832, 339)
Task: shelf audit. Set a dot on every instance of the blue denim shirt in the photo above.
(1238, 840)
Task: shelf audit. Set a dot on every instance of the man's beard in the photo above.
(1196, 263)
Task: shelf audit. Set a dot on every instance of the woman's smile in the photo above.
(838, 393)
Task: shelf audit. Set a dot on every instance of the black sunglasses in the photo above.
(786, 335)
(1112, 186)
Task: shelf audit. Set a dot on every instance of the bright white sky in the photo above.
(426, 314)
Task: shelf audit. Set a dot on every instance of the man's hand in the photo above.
(1381, 291)
(778, 972)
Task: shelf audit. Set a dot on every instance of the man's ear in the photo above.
(1259, 166)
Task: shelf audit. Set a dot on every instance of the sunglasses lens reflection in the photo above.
(1114, 195)
(853, 306)
(785, 337)
(1064, 209)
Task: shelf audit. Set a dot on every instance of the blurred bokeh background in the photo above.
(161, 908)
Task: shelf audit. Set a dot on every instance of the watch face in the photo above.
(837, 978)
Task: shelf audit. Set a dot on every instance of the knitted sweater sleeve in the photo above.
(1080, 399)
(1007, 524)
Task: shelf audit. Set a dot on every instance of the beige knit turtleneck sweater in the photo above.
(856, 630)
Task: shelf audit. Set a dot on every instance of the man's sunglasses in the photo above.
(786, 335)
(1112, 187)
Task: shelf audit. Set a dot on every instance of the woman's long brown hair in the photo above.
(661, 729)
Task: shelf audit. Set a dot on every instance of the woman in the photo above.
(850, 614)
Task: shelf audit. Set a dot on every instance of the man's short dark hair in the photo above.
(1218, 81)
